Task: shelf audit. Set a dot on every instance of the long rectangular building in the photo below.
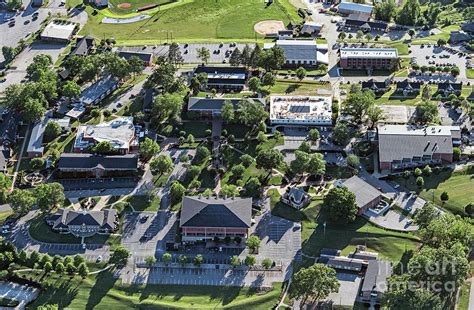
(406, 146)
(368, 58)
(301, 110)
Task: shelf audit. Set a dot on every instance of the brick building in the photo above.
(369, 58)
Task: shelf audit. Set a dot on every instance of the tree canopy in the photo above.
(341, 205)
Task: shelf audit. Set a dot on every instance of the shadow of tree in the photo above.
(105, 281)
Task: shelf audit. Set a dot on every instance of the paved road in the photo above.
(128, 95)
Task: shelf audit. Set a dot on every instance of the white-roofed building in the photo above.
(120, 133)
(302, 52)
(58, 30)
(301, 110)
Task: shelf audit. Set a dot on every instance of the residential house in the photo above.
(83, 223)
(311, 28)
(205, 218)
(468, 27)
(83, 46)
(379, 88)
(120, 133)
(369, 58)
(74, 166)
(345, 263)
(296, 197)
(365, 26)
(211, 107)
(407, 88)
(101, 3)
(8, 128)
(366, 195)
(458, 37)
(224, 78)
(375, 281)
(145, 57)
(447, 89)
(409, 146)
(285, 34)
(301, 110)
(98, 91)
(362, 11)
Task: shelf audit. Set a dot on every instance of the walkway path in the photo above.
(471, 295)
(20, 156)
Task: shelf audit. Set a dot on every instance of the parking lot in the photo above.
(432, 55)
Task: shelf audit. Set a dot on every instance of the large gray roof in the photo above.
(397, 142)
(216, 212)
(298, 49)
(215, 104)
(363, 191)
(376, 276)
(70, 161)
(69, 217)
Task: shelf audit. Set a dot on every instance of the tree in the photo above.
(269, 159)
(163, 75)
(120, 256)
(447, 230)
(426, 93)
(255, 56)
(253, 242)
(235, 58)
(71, 90)
(418, 172)
(441, 42)
(176, 192)
(174, 54)
(9, 53)
(359, 35)
(251, 113)
(253, 187)
(78, 260)
(456, 154)
(229, 190)
(203, 54)
(135, 65)
(375, 115)
(52, 131)
(104, 147)
(59, 268)
(342, 35)
(148, 148)
(161, 164)
(300, 73)
(300, 164)
(235, 261)
(45, 259)
(469, 209)
(420, 182)
(250, 260)
(427, 170)
(272, 58)
(202, 154)
(425, 215)
(254, 84)
(427, 112)
(49, 196)
(47, 267)
(340, 134)
(166, 106)
(83, 270)
(198, 260)
(385, 10)
(444, 197)
(341, 205)
(70, 269)
(315, 282)
(317, 164)
(245, 56)
(246, 160)
(166, 258)
(227, 112)
(455, 71)
(313, 135)
(268, 79)
(358, 103)
(21, 201)
(33, 110)
(353, 161)
(38, 67)
(368, 37)
(410, 13)
(37, 163)
(183, 259)
(238, 171)
(267, 263)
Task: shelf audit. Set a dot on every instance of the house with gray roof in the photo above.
(302, 52)
(296, 197)
(375, 280)
(410, 146)
(366, 195)
(211, 107)
(83, 223)
(98, 91)
(362, 11)
(83, 46)
(73, 165)
(203, 218)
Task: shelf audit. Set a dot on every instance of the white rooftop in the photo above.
(58, 29)
(296, 42)
(418, 130)
(119, 132)
(369, 53)
(311, 110)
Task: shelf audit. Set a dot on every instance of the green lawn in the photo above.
(4, 216)
(134, 4)
(470, 73)
(458, 185)
(103, 291)
(389, 98)
(402, 48)
(197, 129)
(297, 88)
(141, 203)
(198, 20)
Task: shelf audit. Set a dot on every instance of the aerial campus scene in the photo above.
(241, 154)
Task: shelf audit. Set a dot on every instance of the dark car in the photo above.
(143, 219)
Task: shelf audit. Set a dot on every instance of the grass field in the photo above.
(196, 20)
(458, 185)
(4, 215)
(134, 4)
(103, 291)
(470, 73)
(141, 203)
(297, 88)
